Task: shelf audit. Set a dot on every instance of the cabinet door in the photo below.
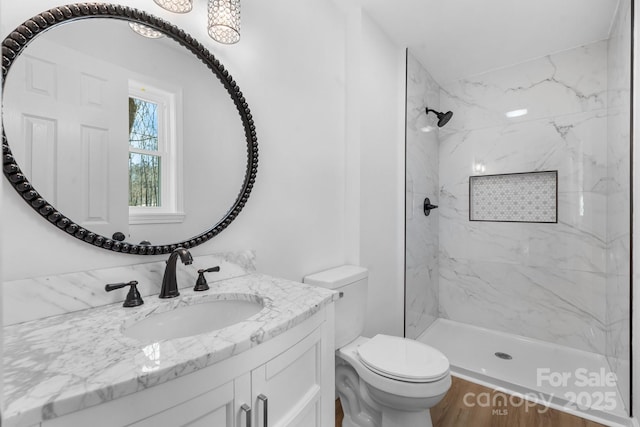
(291, 385)
(220, 407)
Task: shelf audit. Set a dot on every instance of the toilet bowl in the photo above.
(384, 381)
(395, 393)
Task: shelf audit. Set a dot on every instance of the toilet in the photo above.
(384, 381)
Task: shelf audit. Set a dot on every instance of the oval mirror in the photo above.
(124, 132)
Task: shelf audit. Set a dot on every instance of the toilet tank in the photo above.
(351, 281)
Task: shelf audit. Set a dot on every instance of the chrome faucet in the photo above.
(169, 284)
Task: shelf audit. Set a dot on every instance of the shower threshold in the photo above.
(563, 378)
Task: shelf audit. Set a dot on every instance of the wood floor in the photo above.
(506, 411)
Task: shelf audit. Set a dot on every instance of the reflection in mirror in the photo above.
(124, 134)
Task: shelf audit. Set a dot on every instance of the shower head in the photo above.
(443, 118)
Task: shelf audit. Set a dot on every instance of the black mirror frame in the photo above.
(15, 43)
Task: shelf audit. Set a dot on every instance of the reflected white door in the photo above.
(68, 129)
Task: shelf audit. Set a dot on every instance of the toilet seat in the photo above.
(403, 359)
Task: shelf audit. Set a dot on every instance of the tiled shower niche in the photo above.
(517, 197)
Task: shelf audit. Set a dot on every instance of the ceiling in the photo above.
(454, 39)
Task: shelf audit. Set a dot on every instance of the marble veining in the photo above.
(567, 82)
(545, 281)
(39, 297)
(421, 243)
(61, 364)
(545, 303)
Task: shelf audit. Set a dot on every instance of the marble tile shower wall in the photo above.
(545, 281)
(421, 271)
(618, 203)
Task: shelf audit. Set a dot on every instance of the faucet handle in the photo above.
(133, 298)
(201, 283)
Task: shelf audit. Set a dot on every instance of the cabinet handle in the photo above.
(265, 408)
(247, 414)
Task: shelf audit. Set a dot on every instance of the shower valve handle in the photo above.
(428, 206)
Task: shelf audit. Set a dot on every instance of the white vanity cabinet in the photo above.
(287, 391)
(218, 407)
(289, 378)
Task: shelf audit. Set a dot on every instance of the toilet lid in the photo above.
(403, 359)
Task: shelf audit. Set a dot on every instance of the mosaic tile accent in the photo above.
(520, 197)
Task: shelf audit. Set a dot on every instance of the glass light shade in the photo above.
(224, 21)
(145, 31)
(175, 6)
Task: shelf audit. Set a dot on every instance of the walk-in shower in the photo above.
(552, 291)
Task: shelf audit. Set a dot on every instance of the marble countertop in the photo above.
(62, 364)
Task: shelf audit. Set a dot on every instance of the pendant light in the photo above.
(224, 21)
(176, 6)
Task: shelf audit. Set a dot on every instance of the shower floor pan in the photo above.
(562, 378)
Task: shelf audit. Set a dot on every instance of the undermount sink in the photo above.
(188, 320)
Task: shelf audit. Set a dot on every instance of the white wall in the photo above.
(374, 156)
(292, 72)
(382, 66)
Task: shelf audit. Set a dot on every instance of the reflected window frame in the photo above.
(169, 150)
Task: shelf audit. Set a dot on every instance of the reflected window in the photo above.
(144, 158)
(154, 155)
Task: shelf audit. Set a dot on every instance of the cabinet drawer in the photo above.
(292, 383)
(214, 408)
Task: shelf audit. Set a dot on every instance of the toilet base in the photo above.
(392, 417)
(359, 414)
(360, 408)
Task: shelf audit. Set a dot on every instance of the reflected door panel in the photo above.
(70, 110)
